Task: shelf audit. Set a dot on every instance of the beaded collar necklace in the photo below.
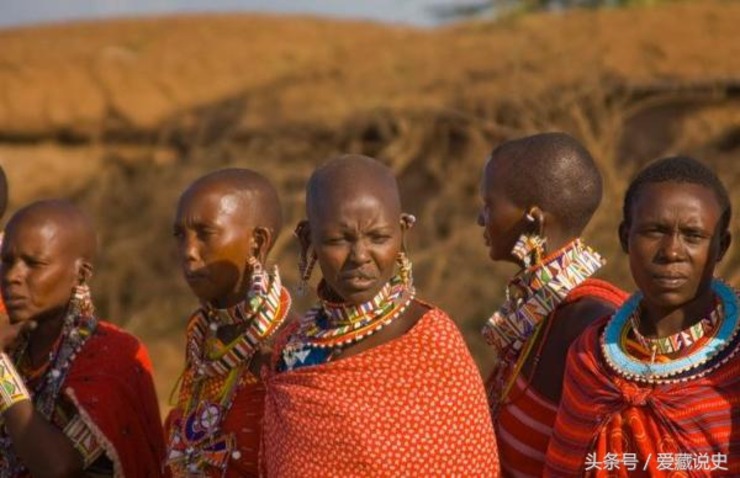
(530, 298)
(680, 340)
(330, 324)
(197, 442)
(693, 365)
(266, 306)
(80, 324)
(536, 292)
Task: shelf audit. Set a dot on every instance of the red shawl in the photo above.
(524, 425)
(601, 413)
(414, 406)
(111, 385)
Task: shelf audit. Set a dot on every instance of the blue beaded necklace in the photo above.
(632, 368)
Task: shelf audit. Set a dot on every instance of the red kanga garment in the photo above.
(604, 418)
(524, 425)
(414, 406)
(110, 384)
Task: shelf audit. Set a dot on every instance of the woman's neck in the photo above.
(42, 339)
(657, 321)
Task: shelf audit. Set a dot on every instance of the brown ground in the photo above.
(121, 115)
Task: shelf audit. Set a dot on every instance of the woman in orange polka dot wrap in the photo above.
(371, 381)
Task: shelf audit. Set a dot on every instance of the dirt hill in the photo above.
(122, 115)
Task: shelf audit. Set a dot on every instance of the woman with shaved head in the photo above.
(371, 381)
(76, 393)
(539, 193)
(226, 223)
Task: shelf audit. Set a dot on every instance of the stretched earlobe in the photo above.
(84, 271)
(262, 241)
(536, 216)
(407, 221)
(302, 232)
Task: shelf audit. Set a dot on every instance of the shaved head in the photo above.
(62, 218)
(354, 224)
(47, 250)
(347, 176)
(552, 171)
(254, 196)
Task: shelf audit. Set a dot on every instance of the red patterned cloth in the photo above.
(110, 384)
(243, 422)
(604, 418)
(414, 406)
(524, 425)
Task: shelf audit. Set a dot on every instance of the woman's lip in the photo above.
(358, 282)
(15, 301)
(194, 276)
(669, 282)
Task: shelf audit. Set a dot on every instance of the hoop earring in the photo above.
(529, 249)
(305, 269)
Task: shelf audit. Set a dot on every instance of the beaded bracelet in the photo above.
(12, 388)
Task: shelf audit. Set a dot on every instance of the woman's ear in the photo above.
(84, 271)
(724, 244)
(536, 217)
(303, 233)
(261, 243)
(624, 236)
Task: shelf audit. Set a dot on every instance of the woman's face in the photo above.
(500, 218)
(674, 241)
(39, 270)
(214, 239)
(357, 241)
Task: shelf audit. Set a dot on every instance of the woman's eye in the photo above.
(380, 239)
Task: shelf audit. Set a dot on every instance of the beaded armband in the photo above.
(12, 388)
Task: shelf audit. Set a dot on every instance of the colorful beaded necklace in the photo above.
(530, 298)
(694, 364)
(680, 340)
(215, 373)
(266, 305)
(536, 292)
(331, 324)
(79, 325)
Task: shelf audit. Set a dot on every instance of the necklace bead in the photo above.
(687, 367)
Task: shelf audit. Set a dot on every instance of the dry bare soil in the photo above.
(121, 115)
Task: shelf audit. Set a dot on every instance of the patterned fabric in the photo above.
(110, 385)
(242, 423)
(414, 406)
(524, 424)
(603, 416)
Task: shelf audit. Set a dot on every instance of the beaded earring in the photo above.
(81, 304)
(529, 247)
(305, 269)
(405, 270)
(259, 281)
